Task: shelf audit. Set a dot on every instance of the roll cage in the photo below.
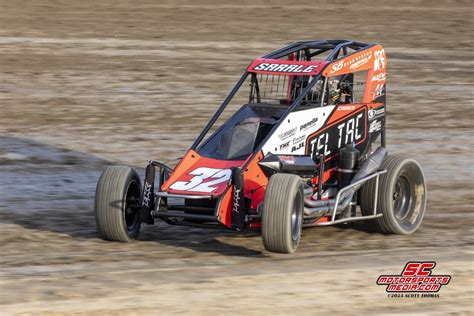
(298, 53)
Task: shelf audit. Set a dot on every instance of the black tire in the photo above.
(282, 216)
(117, 208)
(402, 196)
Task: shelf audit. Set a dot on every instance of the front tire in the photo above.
(282, 216)
(401, 198)
(117, 204)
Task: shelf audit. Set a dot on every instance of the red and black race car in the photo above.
(306, 149)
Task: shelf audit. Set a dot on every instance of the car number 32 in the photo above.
(204, 180)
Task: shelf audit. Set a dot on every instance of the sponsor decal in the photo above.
(298, 143)
(286, 68)
(375, 126)
(288, 159)
(360, 62)
(299, 139)
(376, 112)
(146, 194)
(284, 145)
(378, 78)
(298, 146)
(235, 207)
(287, 134)
(309, 124)
(203, 180)
(379, 59)
(327, 142)
(336, 67)
(416, 280)
(353, 63)
(346, 108)
(379, 90)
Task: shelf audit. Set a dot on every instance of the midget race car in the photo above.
(306, 148)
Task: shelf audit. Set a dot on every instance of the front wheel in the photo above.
(401, 196)
(282, 216)
(117, 204)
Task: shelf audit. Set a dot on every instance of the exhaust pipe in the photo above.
(316, 212)
(370, 165)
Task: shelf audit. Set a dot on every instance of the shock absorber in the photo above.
(347, 168)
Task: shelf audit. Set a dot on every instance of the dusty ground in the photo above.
(85, 84)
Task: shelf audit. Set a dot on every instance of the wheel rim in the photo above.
(132, 207)
(402, 197)
(296, 221)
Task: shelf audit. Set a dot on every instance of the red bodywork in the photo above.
(255, 181)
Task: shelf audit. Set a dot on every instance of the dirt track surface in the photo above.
(85, 84)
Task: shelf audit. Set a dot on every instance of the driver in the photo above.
(334, 91)
(339, 91)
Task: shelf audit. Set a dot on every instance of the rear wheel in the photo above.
(117, 204)
(282, 216)
(401, 198)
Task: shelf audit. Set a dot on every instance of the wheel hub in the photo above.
(402, 197)
(132, 207)
(296, 222)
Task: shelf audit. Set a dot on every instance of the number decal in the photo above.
(198, 183)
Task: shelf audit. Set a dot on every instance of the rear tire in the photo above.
(282, 216)
(402, 196)
(117, 204)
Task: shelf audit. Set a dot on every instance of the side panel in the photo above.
(319, 131)
(323, 131)
(348, 128)
(199, 175)
(290, 137)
